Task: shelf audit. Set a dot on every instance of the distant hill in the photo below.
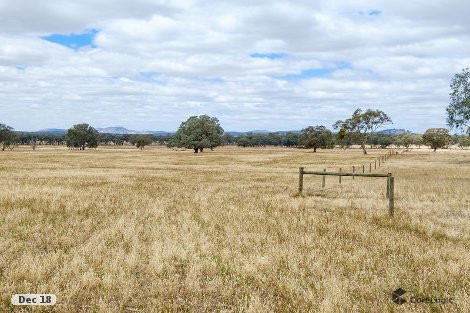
(122, 130)
(106, 130)
(52, 131)
(279, 132)
(118, 130)
(394, 131)
(284, 132)
(159, 132)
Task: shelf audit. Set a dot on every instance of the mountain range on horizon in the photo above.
(124, 131)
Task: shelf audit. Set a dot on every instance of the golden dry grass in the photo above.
(124, 230)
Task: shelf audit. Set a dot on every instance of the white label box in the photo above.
(33, 299)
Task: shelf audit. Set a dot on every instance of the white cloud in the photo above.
(157, 62)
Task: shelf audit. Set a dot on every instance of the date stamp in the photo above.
(33, 299)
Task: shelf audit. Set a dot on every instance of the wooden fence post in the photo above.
(363, 169)
(379, 161)
(388, 187)
(375, 164)
(390, 182)
(370, 167)
(391, 196)
(354, 168)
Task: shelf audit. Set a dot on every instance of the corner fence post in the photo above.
(388, 187)
(301, 179)
(391, 197)
(324, 179)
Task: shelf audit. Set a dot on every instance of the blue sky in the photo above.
(74, 41)
(259, 65)
(270, 55)
(317, 72)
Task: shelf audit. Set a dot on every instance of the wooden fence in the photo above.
(389, 176)
(340, 174)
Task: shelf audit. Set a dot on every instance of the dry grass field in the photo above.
(124, 230)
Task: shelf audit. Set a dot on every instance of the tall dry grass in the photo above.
(124, 230)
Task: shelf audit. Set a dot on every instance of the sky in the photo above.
(270, 65)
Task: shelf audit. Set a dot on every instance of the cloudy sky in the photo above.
(273, 65)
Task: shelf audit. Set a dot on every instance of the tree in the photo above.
(142, 141)
(436, 138)
(81, 136)
(316, 137)
(360, 125)
(464, 142)
(34, 143)
(417, 140)
(458, 111)
(243, 141)
(8, 138)
(229, 139)
(343, 139)
(290, 140)
(197, 133)
(373, 140)
(405, 139)
(384, 141)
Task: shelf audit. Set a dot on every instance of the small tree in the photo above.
(464, 142)
(243, 141)
(34, 143)
(384, 141)
(458, 111)
(229, 139)
(81, 136)
(361, 125)
(417, 140)
(142, 141)
(197, 133)
(8, 138)
(316, 137)
(436, 138)
(343, 139)
(290, 140)
(406, 140)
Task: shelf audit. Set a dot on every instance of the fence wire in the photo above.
(350, 184)
(359, 181)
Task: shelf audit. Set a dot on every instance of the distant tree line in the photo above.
(299, 140)
(312, 137)
(26, 138)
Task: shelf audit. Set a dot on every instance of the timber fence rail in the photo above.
(389, 191)
(372, 165)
